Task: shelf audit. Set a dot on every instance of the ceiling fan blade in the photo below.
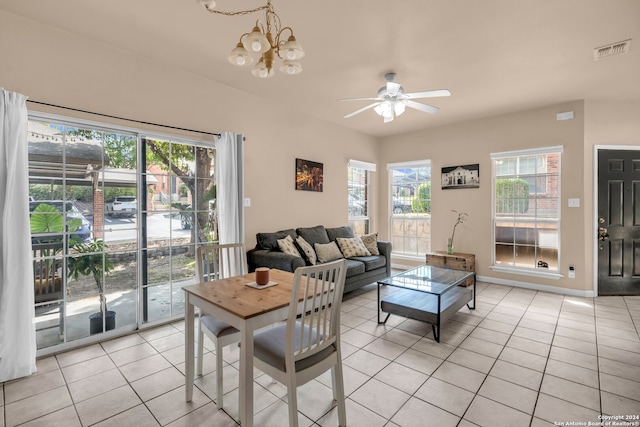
(368, 107)
(360, 99)
(422, 107)
(427, 94)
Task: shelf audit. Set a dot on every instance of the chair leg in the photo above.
(338, 393)
(293, 403)
(200, 350)
(219, 393)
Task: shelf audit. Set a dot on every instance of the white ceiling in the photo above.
(495, 56)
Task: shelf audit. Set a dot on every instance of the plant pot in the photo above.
(95, 322)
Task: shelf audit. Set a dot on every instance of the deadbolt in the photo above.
(601, 220)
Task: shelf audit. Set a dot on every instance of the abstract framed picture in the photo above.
(464, 176)
(309, 175)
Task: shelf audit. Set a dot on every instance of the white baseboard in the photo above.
(537, 287)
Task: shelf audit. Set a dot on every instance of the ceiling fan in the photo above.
(392, 100)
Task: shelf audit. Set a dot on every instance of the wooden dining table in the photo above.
(247, 309)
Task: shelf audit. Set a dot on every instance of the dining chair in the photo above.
(308, 344)
(218, 262)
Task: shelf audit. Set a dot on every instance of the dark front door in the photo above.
(618, 222)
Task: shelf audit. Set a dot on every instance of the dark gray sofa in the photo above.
(361, 271)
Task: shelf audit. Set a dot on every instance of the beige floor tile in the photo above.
(138, 416)
(473, 360)
(171, 406)
(540, 318)
(401, 377)
(503, 318)
(429, 346)
(533, 335)
(351, 320)
(87, 368)
(487, 413)
(576, 324)
(517, 374)
(446, 337)
(381, 398)
(509, 310)
(159, 383)
(122, 343)
(385, 348)
(263, 398)
(529, 345)
(131, 354)
(617, 333)
(159, 332)
(366, 362)
(204, 416)
(460, 376)
(490, 336)
(570, 391)
(451, 326)
(584, 318)
(168, 342)
(415, 412)
(482, 346)
(207, 383)
(576, 334)
(32, 385)
(36, 406)
(357, 416)
(523, 358)
(622, 344)
(497, 326)
(620, 369)
(556, 410)
(353, 380)
(626, 325)
(574, 344)
(446, 396)
(277, 415)
(619, 355)
(106, 405)
(371, 328)
(419, 361)
(573, 373)
(401, 337)
(95, 385)
(141, 368)
(535, 325)
(612, 404)
(574, 357)
(620, 386)
(46, 364)
(357, 338)
(65, 417)
(80, 355)
(509, 394)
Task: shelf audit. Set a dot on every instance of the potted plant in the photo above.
(90, 260)
(462, 217)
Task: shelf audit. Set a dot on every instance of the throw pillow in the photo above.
(307, 249)
(371, 243)
(345, 231)
(314, 235)
(269, 241)
(286, 245)
(327, 252)
(352, 247)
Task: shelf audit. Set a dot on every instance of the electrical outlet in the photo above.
(572, 272)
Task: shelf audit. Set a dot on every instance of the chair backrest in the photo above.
(47, 260)
(324, 284)
(221, 261)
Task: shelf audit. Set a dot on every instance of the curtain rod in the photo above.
(122, 118)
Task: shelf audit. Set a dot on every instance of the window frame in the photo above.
(361, 224)
(537, 219)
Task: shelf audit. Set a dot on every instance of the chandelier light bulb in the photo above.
(240, 60)
(256, 46)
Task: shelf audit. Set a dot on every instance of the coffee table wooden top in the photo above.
(234, 296)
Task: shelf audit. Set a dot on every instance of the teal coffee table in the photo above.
(429, 294)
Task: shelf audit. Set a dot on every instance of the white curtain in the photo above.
(17, 328)
(230, 186)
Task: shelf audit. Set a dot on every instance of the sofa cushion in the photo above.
(307, 249)
(354, 267)
(344, 232)
(351, 247)
(327, 252)
(371, 262)
(313, 235)
(287, 246)
(269, 241)
(371, 243)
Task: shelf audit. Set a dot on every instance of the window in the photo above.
(526, 210)
(358, 195)
(410, 207)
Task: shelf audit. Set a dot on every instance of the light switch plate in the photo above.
(574, 203)
(247, 202)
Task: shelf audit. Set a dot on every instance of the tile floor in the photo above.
(522, 358)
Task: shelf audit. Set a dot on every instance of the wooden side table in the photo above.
(455, 261)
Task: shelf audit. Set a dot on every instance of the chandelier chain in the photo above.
(241, 12)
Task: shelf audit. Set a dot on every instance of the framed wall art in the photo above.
(465, 176)
(309, 175)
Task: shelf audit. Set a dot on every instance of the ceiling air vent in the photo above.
(618, 48)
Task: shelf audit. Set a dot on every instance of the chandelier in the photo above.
(265, 40)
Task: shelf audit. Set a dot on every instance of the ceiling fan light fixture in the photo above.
(399, 107)
(240, 56)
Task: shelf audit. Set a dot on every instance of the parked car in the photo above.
(123, 206)
(83, 232)
(400, 206)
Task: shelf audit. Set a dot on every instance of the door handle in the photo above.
(603, 234)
